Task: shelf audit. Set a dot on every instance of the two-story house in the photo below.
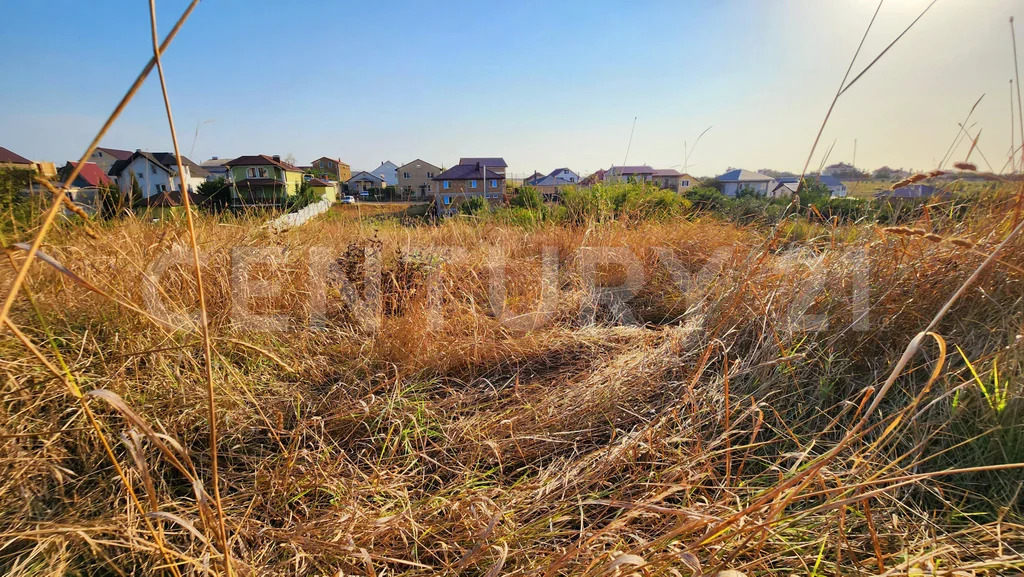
(416, 179)
(106, 157)
(548, 185)
(261, 180)
(155, 173)
(331, 169)
(672, 179)
(387, 172)
(464, 181)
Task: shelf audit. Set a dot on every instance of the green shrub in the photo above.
(474, 205)
(529, 198)
(707, 198)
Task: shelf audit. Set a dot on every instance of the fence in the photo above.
(298, 218)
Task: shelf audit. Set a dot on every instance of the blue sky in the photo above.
(544, 84)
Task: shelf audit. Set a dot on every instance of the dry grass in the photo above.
(700, 435)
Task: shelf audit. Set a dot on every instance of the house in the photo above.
(784, 189)
(672, 179)
(641, 173)
(106, 157)
(217, 167)
(843, 170)
(416, 179)
(330, 168)
(738, 179)
(835, 186)
(261, 180)
(495, 164)
(363, 182)
(464, 181)
(9, 159)
(388, 172)
(324, 189)
(533, 178)
(559, 177)
(156, 172)
(594, 177)
(84, 188)
(912, 191)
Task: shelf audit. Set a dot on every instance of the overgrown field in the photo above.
(673, 396)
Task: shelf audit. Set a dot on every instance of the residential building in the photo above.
(464, 181)
(594, 178)
(557, 178)
(672, 179)
(738, 179)
(83, 189)
(156, 172)
(784, 189)
(261, 180)
(363, 183)
(388, 172)
(9, 159)
(106, 157)
(217, 167)
(495, 164)
(835, 186)
(843, 170)
(532, 178)
(325, 189)
(641, 173)
(331, 169)
(416, 179)
(913, 191)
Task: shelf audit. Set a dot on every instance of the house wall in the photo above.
(326, 192)
(103, 160)
(151, 178)
(419, 183)
(333, 168)
(763, 187)
(668, 182)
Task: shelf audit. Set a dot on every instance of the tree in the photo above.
(474, 205)
(290, 159)
(529, 198)
(135, 197)
(218, 192)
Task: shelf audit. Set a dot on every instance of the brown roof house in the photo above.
(470, 178)
(416, 180)
(330, 168)
(672, 179)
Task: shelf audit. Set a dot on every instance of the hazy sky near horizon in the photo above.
(543, 84)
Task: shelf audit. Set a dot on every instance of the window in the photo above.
(686, 183)
(447, 200)
(139, 175)
(256, 172)
(447, 185)
(430, 175)
(152, 169)
(321, 164)
(472, 184)
(99, 154)
(405, 175)
(494, 183)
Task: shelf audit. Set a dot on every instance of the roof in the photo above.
(421, 161)
(790, 186)
(667, 172)
(166, 161)
(740, 175)
(9, 157)
(116, 152)
(214, 162)
(261, 160)
(553, 181)
(911, 191)
(319, 182)
(826, 179)
(363, 175)
(338, 160)
(91, 173)
(467, 172)
(627, 170)
(494, 161)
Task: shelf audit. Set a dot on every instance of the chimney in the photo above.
(215, 158)
(277, 157)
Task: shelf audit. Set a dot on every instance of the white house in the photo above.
(156, 172)
(736, 180)
(835, 186)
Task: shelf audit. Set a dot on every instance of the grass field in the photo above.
(699, 419)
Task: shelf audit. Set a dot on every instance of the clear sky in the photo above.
(543, 84)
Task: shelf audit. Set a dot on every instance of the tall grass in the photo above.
(460, 445)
